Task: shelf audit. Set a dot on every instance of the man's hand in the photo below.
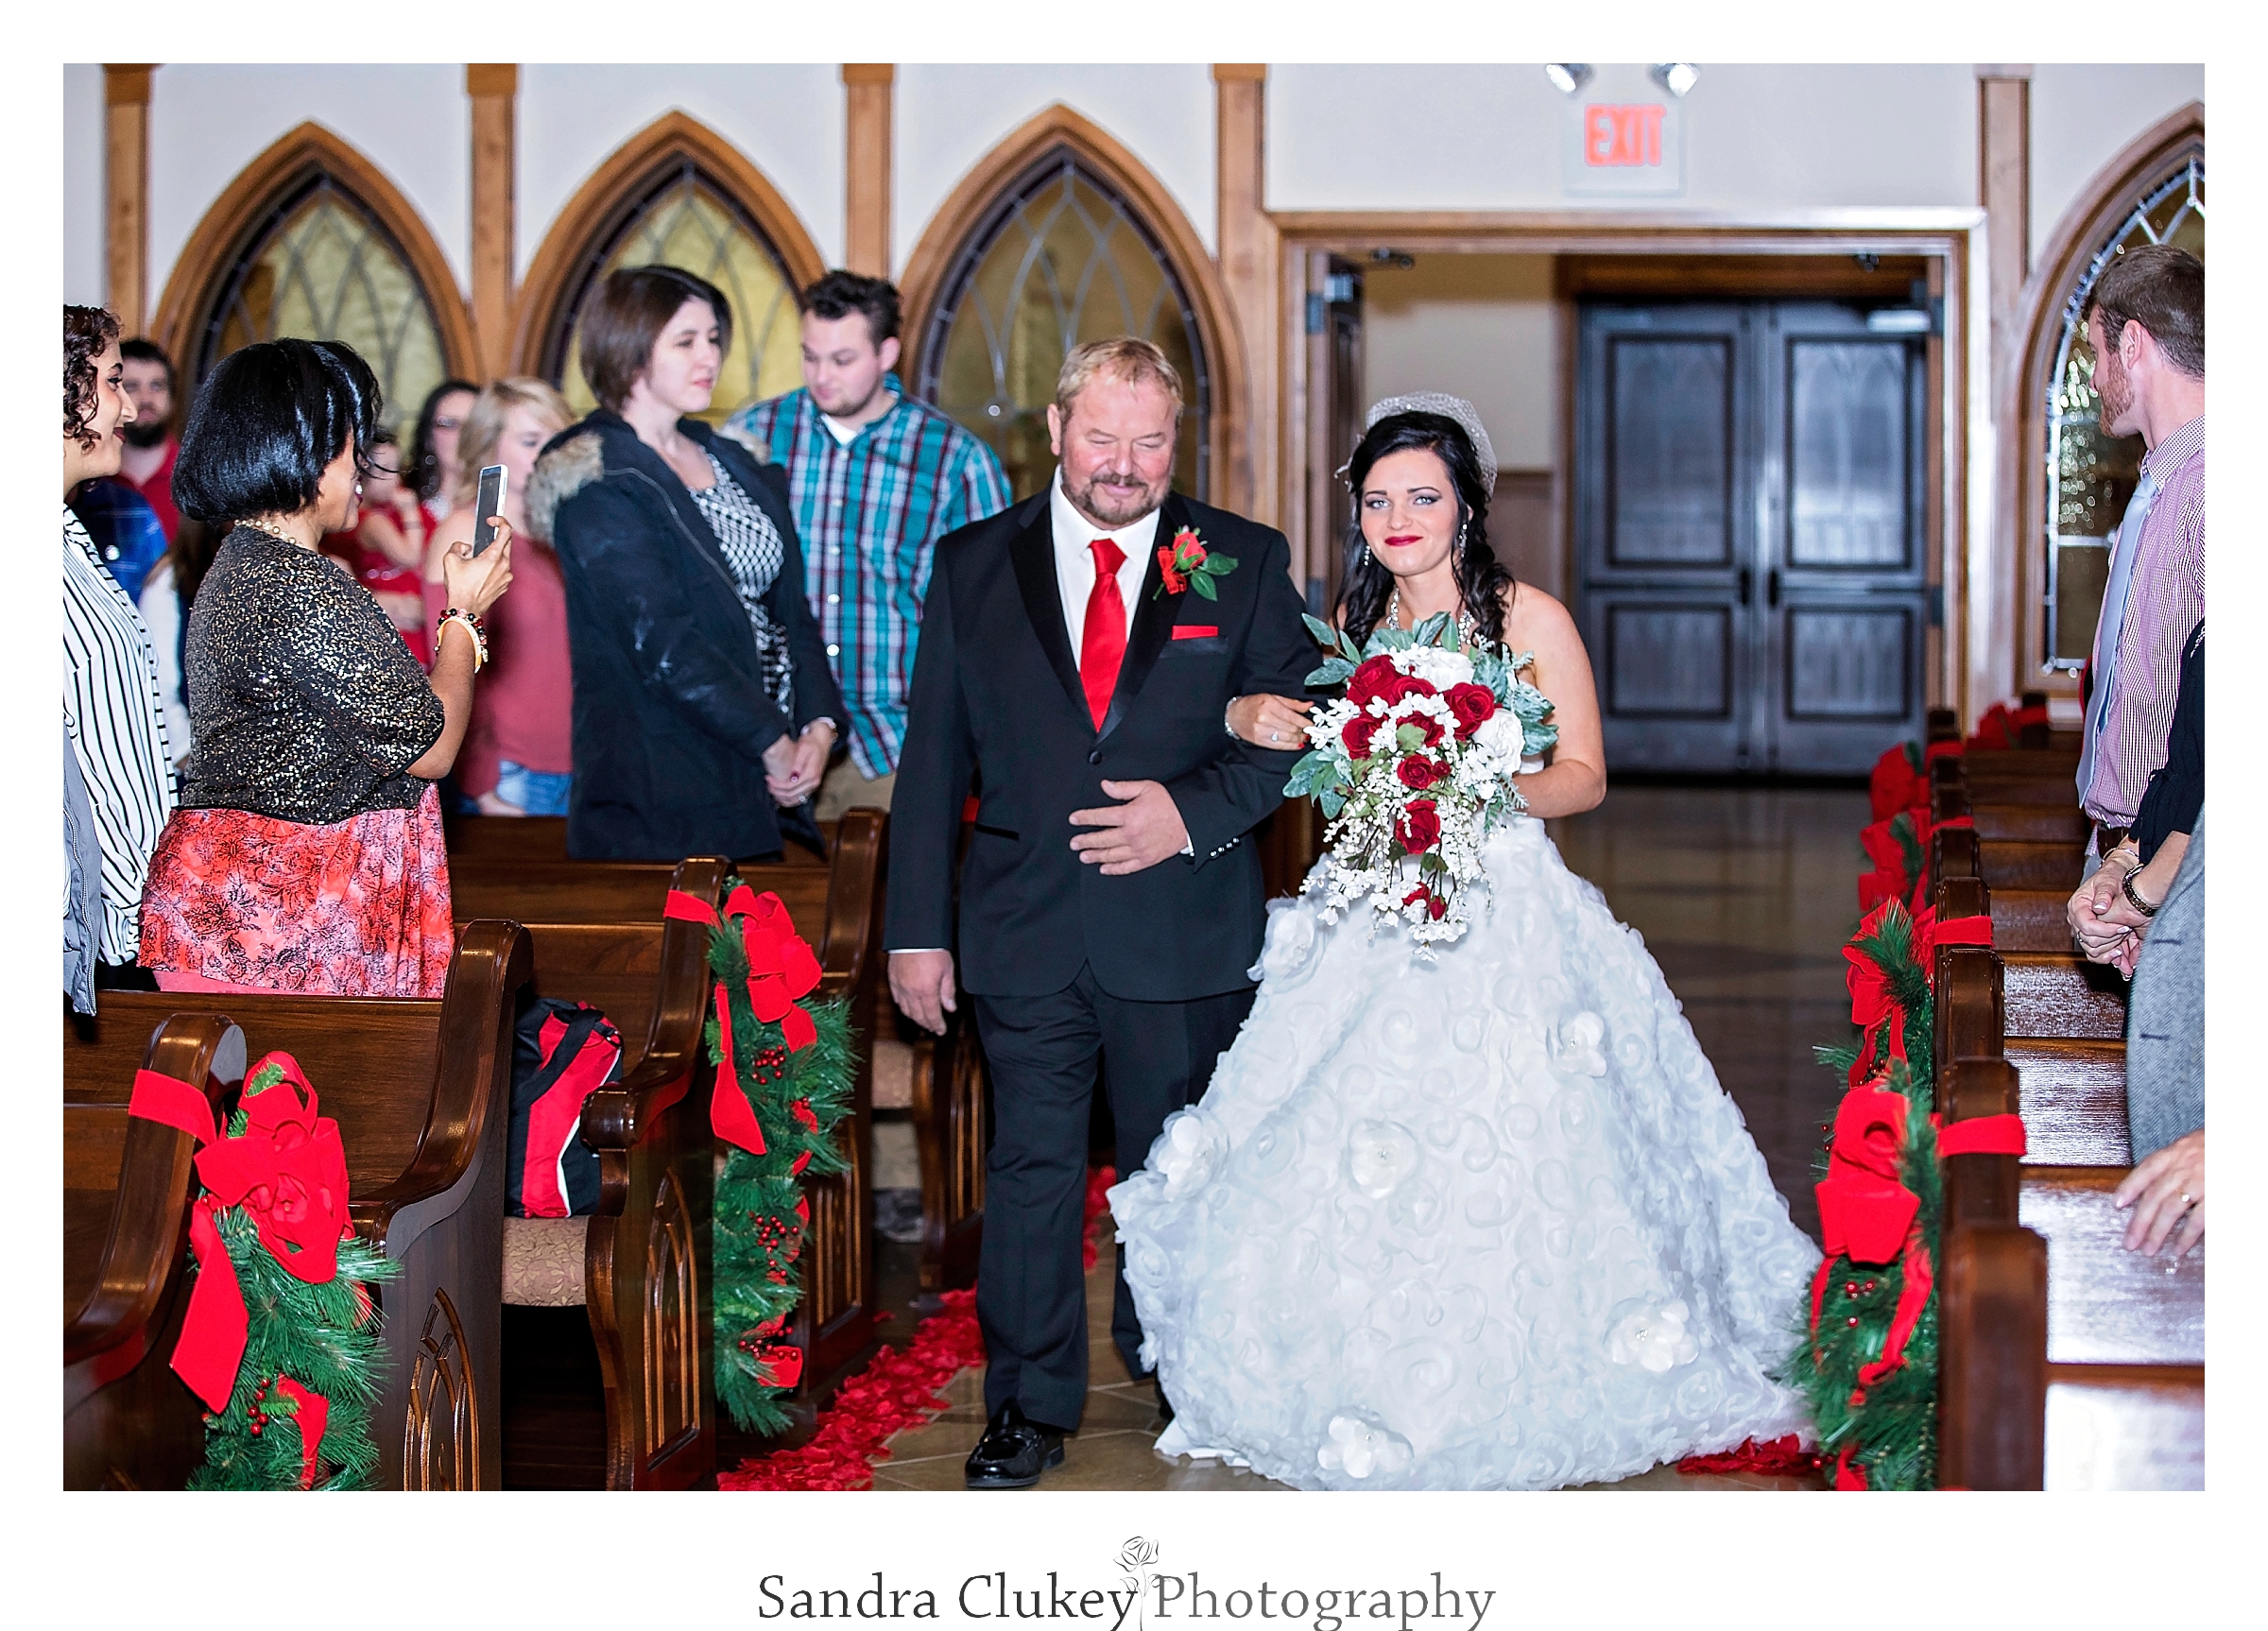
(2097, 913)
(921, 983)
(2167, 1189)
(1140, 831)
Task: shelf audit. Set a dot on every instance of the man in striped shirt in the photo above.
(2147, 329)
(876, 479)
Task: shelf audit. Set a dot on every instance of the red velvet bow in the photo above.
(312, 1413)
(1865, 1208)
(781, 969)
(288, 1170)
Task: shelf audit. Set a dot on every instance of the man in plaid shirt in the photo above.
(876, 479)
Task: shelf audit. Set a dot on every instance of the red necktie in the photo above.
(1103, 637)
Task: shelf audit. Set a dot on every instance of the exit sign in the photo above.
(1623, 147)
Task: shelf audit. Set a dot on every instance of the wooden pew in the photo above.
(128, 1422)
(637, 1266)
(421, 1092)
(835, 909)
(2122, 1339)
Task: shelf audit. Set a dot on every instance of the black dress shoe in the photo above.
(1013, 1452)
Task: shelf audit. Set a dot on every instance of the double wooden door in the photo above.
(1751, 534)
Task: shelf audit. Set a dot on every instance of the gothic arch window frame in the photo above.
(2069, 260)
(584, 230)
(244, 212)
(948, 245)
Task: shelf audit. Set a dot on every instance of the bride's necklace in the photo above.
(1466, 627)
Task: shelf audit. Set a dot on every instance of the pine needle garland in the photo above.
(799, 1096)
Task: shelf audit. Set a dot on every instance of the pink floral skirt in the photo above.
(357, 908)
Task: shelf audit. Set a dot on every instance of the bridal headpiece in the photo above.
(1448, 407)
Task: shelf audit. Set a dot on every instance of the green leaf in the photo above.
(1332, 800)
(1334, 671)
(1409, 737)
(1218, 565)
(1326, 636)
(1203, 585)
(1346, 646)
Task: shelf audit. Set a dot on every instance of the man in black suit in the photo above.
(1109, 905)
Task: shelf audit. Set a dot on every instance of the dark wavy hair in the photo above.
(266, 423)
(1482, 578)
(424, 471)
(87, 332)
(625, 321)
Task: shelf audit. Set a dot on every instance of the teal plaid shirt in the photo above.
(870, 514)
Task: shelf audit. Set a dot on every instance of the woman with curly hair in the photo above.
(114, 717)
(307, 853)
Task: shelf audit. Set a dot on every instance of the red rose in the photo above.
(1369, 681)
(1188, 551)
(1473, 705)
(1438, 906)
(1356, 733)
(1402, 685)
(1418, 774)
(1431, 727)
(1419, 828)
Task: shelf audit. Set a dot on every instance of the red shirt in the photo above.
(523, 701)
(159, 489)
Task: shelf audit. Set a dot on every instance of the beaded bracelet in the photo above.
(2133, 898)
(473, 627)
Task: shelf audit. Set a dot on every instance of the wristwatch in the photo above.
(2134, 899)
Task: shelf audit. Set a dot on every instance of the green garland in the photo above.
(1889, 1438)
(761, 1216)
(325, 1337)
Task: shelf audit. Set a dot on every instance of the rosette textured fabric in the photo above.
(1481, 1221)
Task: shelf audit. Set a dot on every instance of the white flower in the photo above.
(1575, 1046)
(1501, 734)
(1185, 1154)
(1379, 1156)
(1655, 1338)
(1438, 668)
(1360, 1444)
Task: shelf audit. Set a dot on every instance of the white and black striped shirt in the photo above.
(115, 717)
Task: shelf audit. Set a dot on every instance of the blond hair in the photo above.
(1126, 359)
(484, 425)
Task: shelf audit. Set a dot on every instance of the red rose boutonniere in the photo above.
(1186, 563)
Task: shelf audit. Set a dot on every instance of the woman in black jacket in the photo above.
(704, 709)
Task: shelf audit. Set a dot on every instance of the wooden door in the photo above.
(1665, 535)
(1845, 603)
(1749, 534)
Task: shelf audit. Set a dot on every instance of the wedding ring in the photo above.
(2186, 1202)
(1275, 736)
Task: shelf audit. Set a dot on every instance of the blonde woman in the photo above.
(518, 758)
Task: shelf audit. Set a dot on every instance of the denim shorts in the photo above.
(538, 792)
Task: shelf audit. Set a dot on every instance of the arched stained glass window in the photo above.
(2090, 476)
(684, 218)
(321, 266)
(1063, 259)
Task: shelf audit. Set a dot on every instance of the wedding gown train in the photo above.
(1484, 1223)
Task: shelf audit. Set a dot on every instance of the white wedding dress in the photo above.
(1487, 1222)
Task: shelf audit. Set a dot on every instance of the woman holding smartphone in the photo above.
(519, 754)
(306, 854)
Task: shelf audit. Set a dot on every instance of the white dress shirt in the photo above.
(1074, 560)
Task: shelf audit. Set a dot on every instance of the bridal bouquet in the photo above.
(1413, 767)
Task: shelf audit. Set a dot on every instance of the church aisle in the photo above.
(1736, 891)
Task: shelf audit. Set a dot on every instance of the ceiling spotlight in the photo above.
(1676, 78)
(1568, 77)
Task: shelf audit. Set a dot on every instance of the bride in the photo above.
(1478, 1221)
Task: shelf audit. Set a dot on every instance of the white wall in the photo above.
(1782, 137)
(86, 276)
(786, 118)
(2083, 113)
(207, 120)
(1480, 327)
(948, 116)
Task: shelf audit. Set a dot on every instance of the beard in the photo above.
(1115, 498)
(2114, 390)
(145, 433)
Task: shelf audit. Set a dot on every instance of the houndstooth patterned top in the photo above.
(754, 553)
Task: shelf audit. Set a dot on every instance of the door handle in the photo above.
(1747, 584)
(1772, 587)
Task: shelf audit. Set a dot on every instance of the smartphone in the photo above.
(489, 502)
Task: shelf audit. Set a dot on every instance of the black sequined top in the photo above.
(303, 703)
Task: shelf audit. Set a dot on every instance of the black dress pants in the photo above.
(1154, 1058)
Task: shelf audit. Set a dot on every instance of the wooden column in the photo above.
(126, 190)
(494, 88)
(869, 89)
(1248, 246)
(2004, 188)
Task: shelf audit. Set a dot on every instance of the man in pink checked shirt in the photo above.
(2146, 325)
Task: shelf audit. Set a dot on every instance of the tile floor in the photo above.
(1744, 898)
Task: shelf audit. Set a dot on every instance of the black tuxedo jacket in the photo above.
(996, 695)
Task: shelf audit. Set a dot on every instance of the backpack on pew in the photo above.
(561, 1054)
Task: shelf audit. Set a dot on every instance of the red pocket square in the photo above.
(1194, 631)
